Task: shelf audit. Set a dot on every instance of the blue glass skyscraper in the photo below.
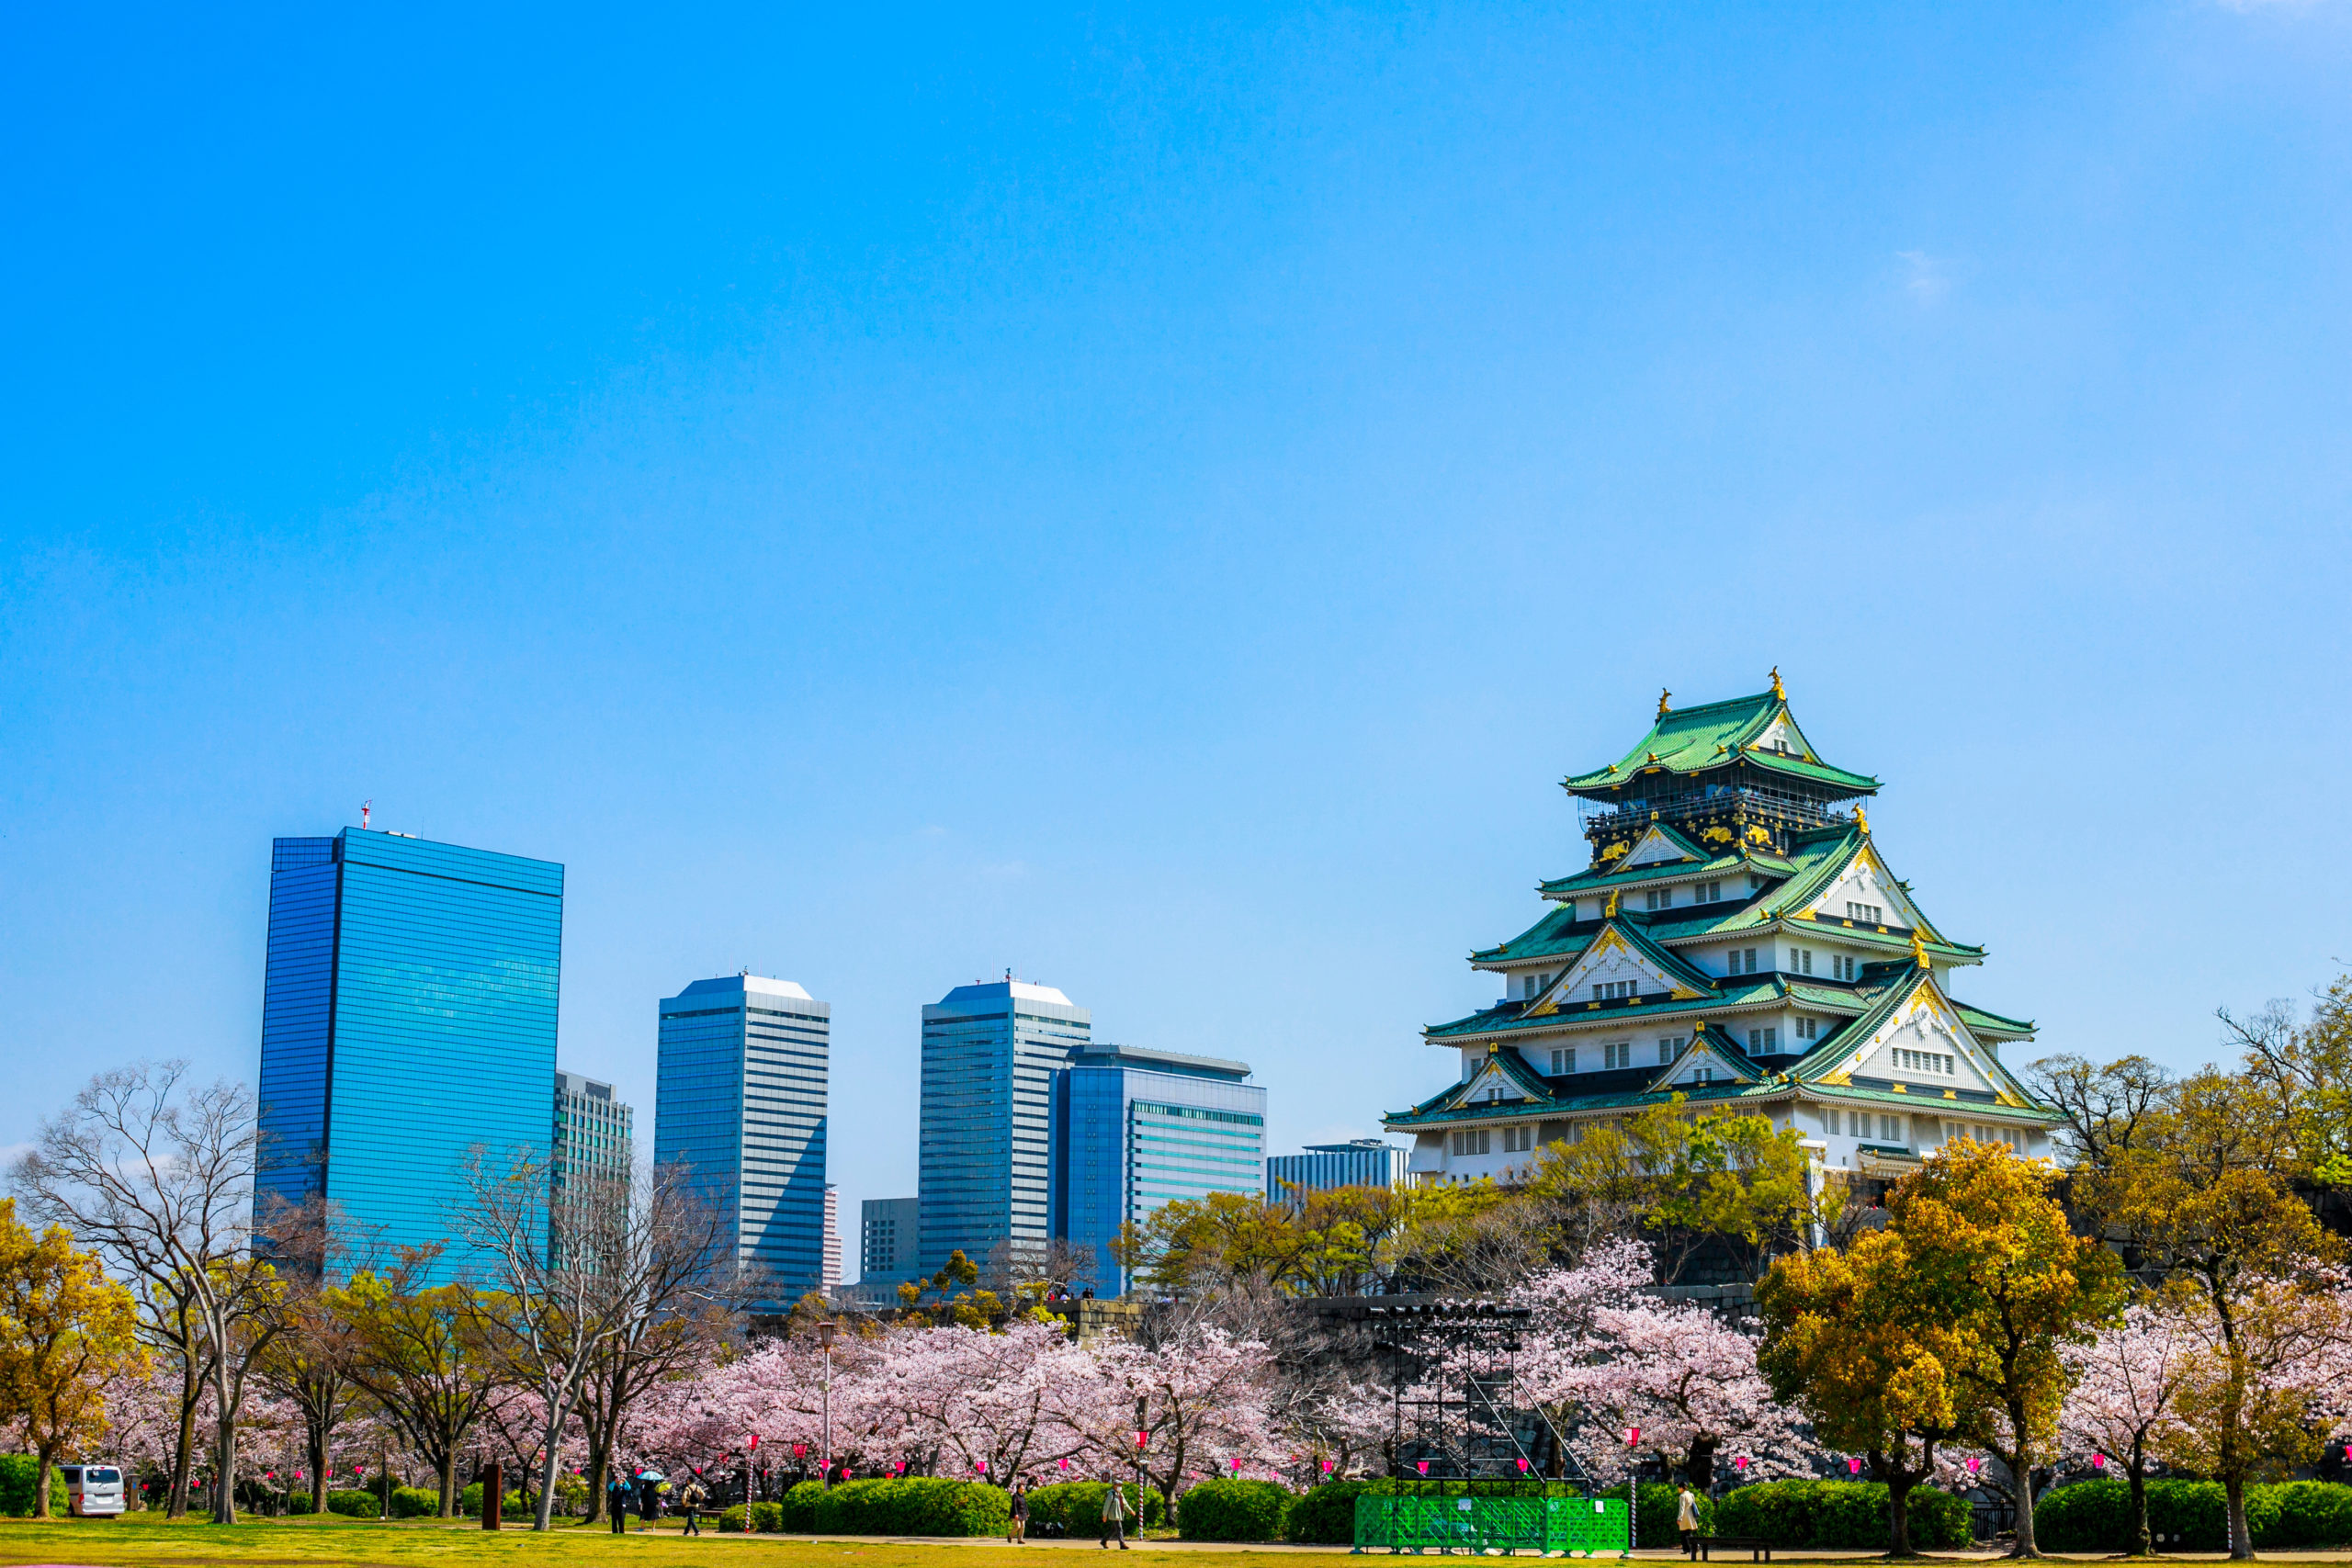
(982, 1163)
(408, 1021)
(738, 1098)
(1134, 1129)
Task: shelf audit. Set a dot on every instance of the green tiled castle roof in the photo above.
(1716, 735)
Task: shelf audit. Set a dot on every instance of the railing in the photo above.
(1635, 814)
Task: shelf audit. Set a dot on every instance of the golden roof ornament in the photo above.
(1862, 820)
(1778, 691)
(1662, 695)
(1919, 950)
(1610, 912)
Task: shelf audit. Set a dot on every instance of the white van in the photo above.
(93, 1489)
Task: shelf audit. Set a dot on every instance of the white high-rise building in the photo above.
(832, 1238)
(740, 1094)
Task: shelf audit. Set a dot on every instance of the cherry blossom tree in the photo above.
(989, 1403)
(2126, 1381)
(1197, 1399)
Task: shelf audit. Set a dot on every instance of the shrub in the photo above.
(1839, 1515)
(417, 1503)
(1077, 1506)
(1326, 1516)
(917, 1505)
(1232, 1510)
(2193, 1516)
(297, 1502)
(1658, 1504)
(730, 1520)
(20, 1478)
(768, 1516)
(353, 1505)
(2311, 1513)
(799, 1507)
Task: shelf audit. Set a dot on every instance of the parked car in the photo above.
(92, 1491)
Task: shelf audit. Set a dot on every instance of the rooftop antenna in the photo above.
(363, 814)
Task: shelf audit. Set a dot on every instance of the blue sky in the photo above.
(1157, 500)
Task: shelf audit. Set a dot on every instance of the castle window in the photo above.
(1754, 882)
(1763, 1042)
(1621, 1054)
(1870, 913)
(1808, 1029)
(1518, 1140)
(1743, 961)
(1707, 893)
(1667, 1044)
(1841, 967)
(1890, 1131)
(1702, 1074)
(1803, 957)
(1661, 898)
(1612, 990)
(1471, 1141)
(1563, 1061)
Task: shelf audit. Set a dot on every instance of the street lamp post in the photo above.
(825, 1332)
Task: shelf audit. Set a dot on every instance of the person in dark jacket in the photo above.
(1017, 1524)
(617, 1503)
(649, 1498)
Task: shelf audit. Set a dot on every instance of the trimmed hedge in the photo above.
(299, 1500)
(1326, 1516)
(1839, 1515)
(1077, 1506)
(915, 1505)
(731, 1519)
(797, 1511)
(20, 1479)
(1233, 1510)
(768, 1516)
(354, 1505)
(2193, 1516)
(417, 1503)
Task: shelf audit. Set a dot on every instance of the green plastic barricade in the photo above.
(1589, 1525)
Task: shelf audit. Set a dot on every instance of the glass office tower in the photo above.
(739, 1092)
(1360, 1162)
(1135, 1128)
(408, 1022)
(982, 1164)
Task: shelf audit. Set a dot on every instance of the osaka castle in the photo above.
(1738, 940)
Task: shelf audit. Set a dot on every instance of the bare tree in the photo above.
(160, 1178)
(596, 1279)
(310, 1362)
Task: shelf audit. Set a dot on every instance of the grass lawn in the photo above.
(149, 1538)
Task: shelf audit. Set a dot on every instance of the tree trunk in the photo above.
(2142, 1545)
(2020, 1464)
(600, 1457)
(1699, 1463)
(447, 1468)
(2241, 1538)
(224, 1482)
(318, 1457)
(41, 1496)
(1898, 1518)
(183, 1453)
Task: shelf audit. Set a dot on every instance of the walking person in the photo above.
(1115, 1519)
(648, 1500)
(692, 1498)
(1016, 1530)
(1686, 1519)
(617, 1503)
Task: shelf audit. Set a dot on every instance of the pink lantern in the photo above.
(756, 1442)
(1327, 1466)
(981, 1465)
(1632, 1436)
(1522, 1466)
(1854, 1465)
(1974, 1465)
(1237, 1463)
(1740, 1463)
(1065, 1463)
(1143, 1439)
(298, 1475)
(1423, 1467)
(2099, 1462)
(799, 1450)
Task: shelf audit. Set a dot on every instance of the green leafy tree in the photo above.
(1988, 1253)
(65, 1329)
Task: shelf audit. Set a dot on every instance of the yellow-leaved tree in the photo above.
(65, 1329)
